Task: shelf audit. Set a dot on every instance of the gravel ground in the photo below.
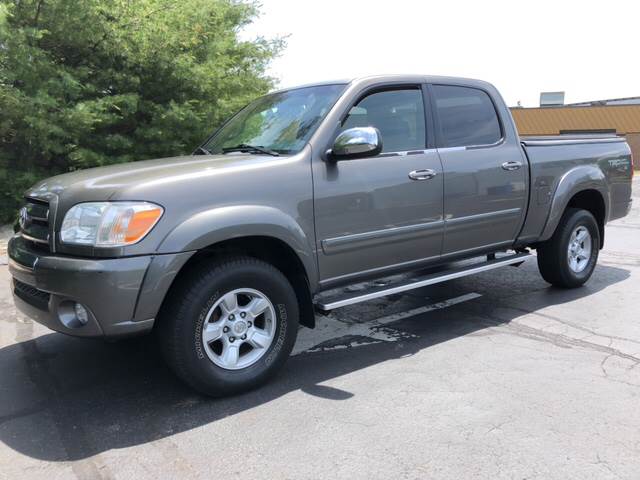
(493, 376)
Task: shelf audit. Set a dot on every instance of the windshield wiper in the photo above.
(201, 151)
(244, 147)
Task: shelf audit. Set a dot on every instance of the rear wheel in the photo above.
(569, 257)
(230, 326)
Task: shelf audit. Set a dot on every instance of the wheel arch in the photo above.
(582, 187)
(592, 201)
(270, 249)
(220, 224)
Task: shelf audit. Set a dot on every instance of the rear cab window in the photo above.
(466, 116)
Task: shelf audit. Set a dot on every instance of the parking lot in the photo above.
(491, 376)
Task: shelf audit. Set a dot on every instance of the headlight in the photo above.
(109, 224)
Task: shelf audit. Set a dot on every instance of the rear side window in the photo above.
(398, 114)
(467, 116)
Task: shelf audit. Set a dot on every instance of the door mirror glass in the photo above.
(356, 142)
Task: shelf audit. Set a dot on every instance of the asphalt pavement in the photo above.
(494, 376)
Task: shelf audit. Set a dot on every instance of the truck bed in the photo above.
(552, 157)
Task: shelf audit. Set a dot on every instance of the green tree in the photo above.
(94, 82)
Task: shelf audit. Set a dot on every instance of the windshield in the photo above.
(282, 122)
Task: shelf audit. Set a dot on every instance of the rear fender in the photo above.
(583, 177)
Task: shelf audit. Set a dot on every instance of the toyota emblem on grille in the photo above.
(24, 219)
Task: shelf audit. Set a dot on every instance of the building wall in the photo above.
(550, 120)
(623, 119)
(633, 139)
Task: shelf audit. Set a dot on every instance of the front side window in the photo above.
(282, 121)
(467, 116)
(398, 114)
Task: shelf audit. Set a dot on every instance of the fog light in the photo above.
(72, 314)
(81, 313)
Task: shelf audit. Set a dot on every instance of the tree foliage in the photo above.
(93, 82)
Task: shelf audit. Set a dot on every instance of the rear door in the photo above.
(373, 214)
(485, 173)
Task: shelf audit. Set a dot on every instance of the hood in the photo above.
(115, 181)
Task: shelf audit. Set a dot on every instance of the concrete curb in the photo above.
(5, 234)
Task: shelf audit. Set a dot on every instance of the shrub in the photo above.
(94, 82)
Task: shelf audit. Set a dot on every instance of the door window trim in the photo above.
(430, 142)
(438, 127)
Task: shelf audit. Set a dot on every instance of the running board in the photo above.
(342, 300)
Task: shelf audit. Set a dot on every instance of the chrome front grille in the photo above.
(34, 223)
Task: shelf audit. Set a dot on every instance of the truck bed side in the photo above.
(563, 166)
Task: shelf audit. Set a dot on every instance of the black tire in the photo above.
(184, 313)
(553, 255)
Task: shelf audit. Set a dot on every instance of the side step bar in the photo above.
(331, 303)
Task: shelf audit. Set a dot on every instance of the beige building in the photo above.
(619, 116)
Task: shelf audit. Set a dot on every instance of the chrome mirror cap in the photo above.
(356, 142)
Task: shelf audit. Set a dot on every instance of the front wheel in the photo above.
(569, 257)
(230, 326)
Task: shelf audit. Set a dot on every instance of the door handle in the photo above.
(424, 174)
(511, 165)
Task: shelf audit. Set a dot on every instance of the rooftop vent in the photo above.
(551, 99)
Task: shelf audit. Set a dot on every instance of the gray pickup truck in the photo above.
(225, 252)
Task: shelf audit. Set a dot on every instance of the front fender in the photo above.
(225, 223)
(583, 177)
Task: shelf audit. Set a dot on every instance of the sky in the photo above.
(589, 49)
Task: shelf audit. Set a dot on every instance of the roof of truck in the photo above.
(391, 78)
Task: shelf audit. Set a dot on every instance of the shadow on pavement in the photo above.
(68, 399)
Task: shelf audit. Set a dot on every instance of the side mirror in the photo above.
(354, 143)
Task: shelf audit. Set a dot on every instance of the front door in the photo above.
(374, 214)
(485, 173)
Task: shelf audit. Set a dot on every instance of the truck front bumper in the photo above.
(121, 296)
